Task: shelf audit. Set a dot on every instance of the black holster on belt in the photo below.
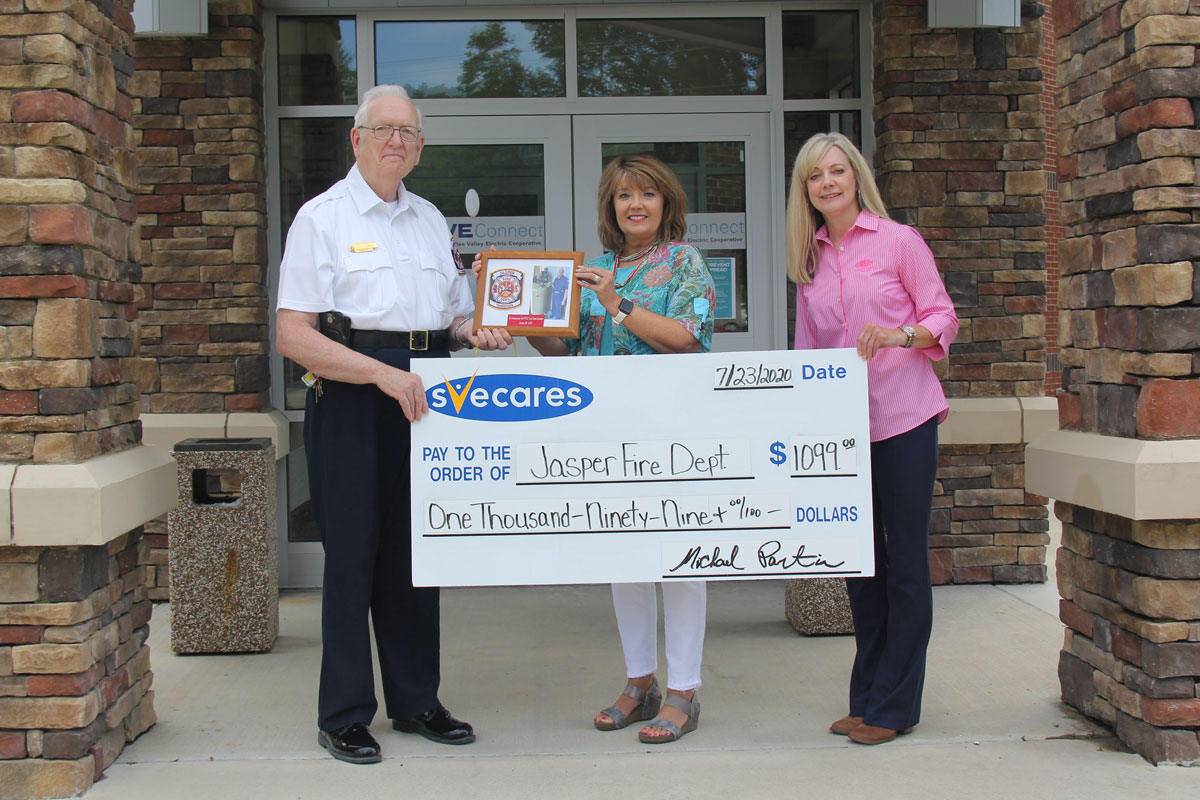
(335, 325)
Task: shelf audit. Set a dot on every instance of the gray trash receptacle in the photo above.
(223, 549)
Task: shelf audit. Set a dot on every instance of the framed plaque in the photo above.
(530, 293)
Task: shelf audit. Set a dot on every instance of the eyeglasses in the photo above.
(384, 133)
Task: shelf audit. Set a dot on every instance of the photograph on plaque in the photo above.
(531, 293)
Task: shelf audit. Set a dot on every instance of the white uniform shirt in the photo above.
(408, 281)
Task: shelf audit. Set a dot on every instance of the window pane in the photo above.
(318, 62)
(506, 184)
(302, 527)
(798, 127)
(509, 178)
(496, 58)
(820, 55)
(713, 175)
(314, 154)
(660, 57)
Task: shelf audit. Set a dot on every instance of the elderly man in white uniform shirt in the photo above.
(382, 258)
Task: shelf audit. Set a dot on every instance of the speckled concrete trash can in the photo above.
(818, 606)
(223, 550)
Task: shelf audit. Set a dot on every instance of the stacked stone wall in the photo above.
(74, 665)
(201, 203)
(1048, 63)
(1130, 324)
(986, 528)
(68, 253)
(158, 570)
(1130, 337)
(960, 154)
(1131, 656)
(202, 208)
(74, 668)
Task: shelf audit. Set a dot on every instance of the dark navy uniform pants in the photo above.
(893, 611)
(357, 445)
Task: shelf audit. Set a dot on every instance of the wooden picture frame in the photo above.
(521, 291)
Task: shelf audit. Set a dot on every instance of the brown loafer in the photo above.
(846, 724)
(869, 734)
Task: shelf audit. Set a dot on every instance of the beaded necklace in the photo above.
(639, 257)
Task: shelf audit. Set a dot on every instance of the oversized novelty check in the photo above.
(728, 466)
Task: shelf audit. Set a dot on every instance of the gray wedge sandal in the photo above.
(689, 707)
(648, 702)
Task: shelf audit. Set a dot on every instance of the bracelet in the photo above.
(457, 338)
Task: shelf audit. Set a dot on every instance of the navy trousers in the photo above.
(893, 611)
(356, 441)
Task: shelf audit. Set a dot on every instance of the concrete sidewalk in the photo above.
(530, 666)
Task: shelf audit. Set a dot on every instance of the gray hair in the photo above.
(383, 90)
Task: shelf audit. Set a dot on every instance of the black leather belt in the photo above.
(400, 340)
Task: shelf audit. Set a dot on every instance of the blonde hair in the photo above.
(803, 221)
(645, 172)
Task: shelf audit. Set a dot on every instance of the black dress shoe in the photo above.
(352, 743)
(438, 726)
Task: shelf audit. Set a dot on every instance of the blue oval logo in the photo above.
(508, 398)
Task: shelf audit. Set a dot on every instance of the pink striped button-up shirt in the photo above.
(882, 272)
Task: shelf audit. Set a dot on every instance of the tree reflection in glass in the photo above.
(671, 57)
(497, 58)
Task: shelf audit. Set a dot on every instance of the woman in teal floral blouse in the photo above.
(666, 277)
(650, 293)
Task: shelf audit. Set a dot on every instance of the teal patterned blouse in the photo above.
(673, 281)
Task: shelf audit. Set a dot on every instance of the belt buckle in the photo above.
(418, 340)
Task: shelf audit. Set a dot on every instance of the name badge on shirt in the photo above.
(363, 247)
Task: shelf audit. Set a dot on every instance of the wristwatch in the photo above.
(911, 333)
(623, 310)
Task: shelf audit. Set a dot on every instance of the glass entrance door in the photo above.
(723, 162)
(499, 181)
(505, 181)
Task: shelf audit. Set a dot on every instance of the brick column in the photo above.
(67, 246)
(74, 668)
(1129, 567)
(198, 105)
(959, 154)
(1048, 62)
(74, 664)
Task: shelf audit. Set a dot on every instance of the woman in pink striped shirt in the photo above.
(867, 282)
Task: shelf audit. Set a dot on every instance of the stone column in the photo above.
(201, 202)
(75, 483)
(1126, 466)
(74, 665)
(69, 246)
(959, 154)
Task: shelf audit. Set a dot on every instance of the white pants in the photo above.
(685, 604)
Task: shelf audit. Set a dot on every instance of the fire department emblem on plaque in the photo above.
(505, 288)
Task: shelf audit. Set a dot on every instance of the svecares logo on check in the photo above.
(508, 398)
